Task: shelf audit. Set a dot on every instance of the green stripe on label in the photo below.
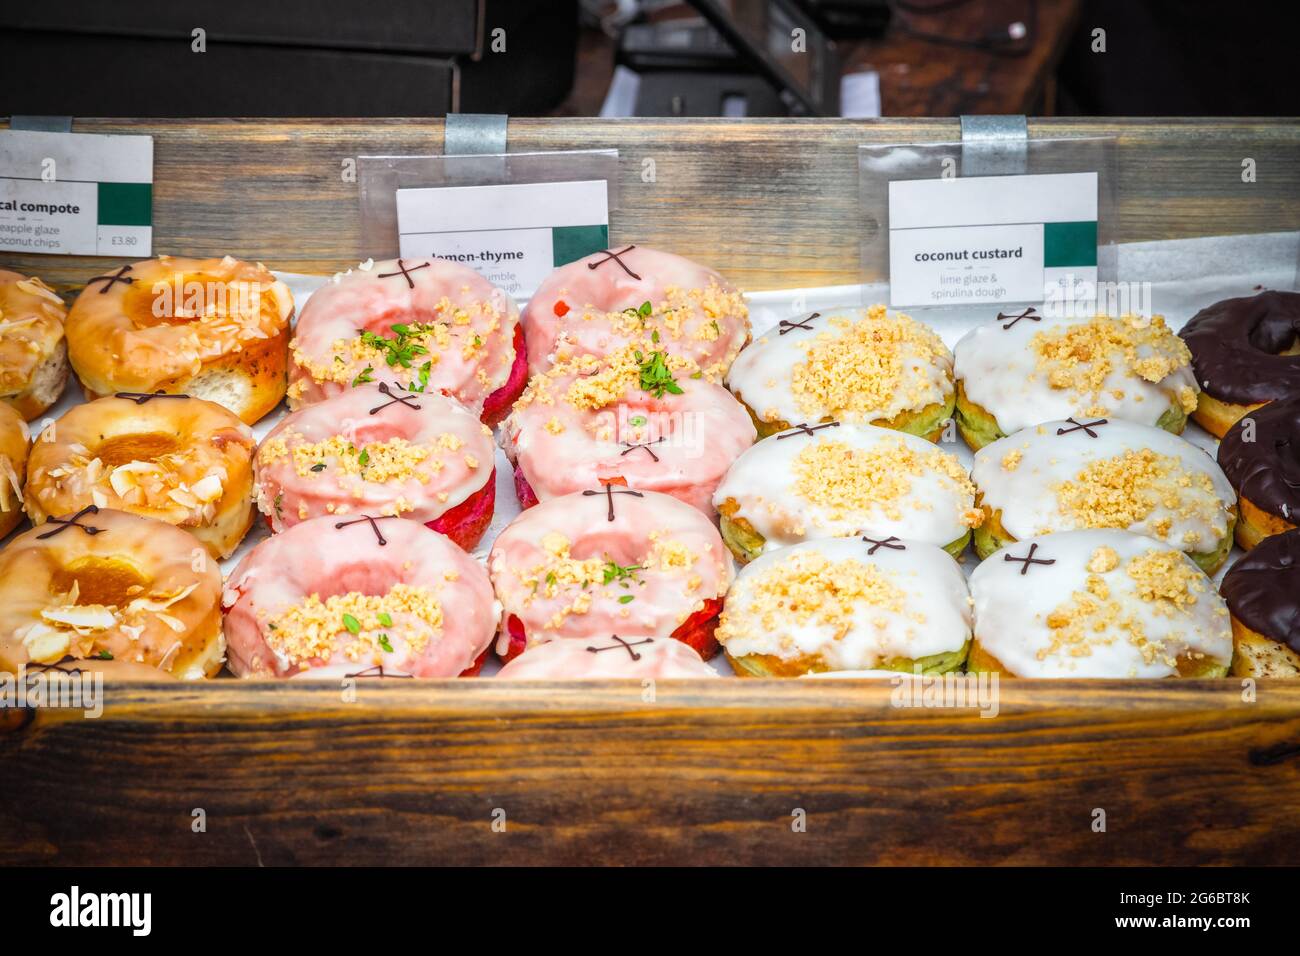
(1069, 244)
(573, 242)
(125, 204)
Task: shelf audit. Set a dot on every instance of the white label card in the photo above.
(513, 234)
(990, 239)
(86, 194)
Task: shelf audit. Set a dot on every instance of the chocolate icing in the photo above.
(404, 272)
(612, 256)
(1263, 588)
(1236, 344)
(1267, 470)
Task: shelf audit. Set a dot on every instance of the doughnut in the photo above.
(1097, 603)
(625, 419)
(13, 467)
(1260, 455)
(107, 585)
(640, 656)
(1246, 353)
(33, 352)
(636, 296)
(182, 460)
(382, 451)
(847, 604)
(607, 561)
(1104, 473)
(425, 323)
(366, 596)
(1262, 590)
(212, 328)
(1020, 370)
(857, 366)
(834, 480)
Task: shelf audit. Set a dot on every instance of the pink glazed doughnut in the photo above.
(638, 656)
(636, 295)
(407, 321)
(591, 421)
(381, 451)
(358, 597)
(609, 561)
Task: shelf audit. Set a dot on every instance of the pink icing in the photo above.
(572, 660)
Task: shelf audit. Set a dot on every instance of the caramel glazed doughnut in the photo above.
(636, 296)
(212, 328)
(848, 604)
(1260, 455)
(1263, 594)
(609, 561)
(13, 468)
(358, 597)
(178, 459)
(1099, 473)
(632, 419)
(1097, 603)
(110, 590)
(1028, 368)
(858, 366)
(427, 323)
(832, 480)
(33, 353)
(1246, 353)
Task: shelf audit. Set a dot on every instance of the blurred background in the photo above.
(648, 57)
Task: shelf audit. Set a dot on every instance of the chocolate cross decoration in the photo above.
(625, 645)
(119, 276)
(141, 397)
(1029, 559)
(373, 526)
(393, 399)
(56, 666)
(1082, 426)
(611, 254)
(1027, 314)
(377, 670)
(65, 523)
(404, 272)
(787, 325)
(609, 493)
(887, 543)
(803, 428)
(645, 444)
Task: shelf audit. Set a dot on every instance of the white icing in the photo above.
(763, 482)
(998, 371)
(1027, 493)
(1012, 609)
(762, 375)
(935, 618)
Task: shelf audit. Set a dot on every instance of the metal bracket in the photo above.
(994, 145)
(474, 134)
(42, 124)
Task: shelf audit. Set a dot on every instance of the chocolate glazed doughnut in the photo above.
(1245, 352)
(1263, 593)
(1260, 454)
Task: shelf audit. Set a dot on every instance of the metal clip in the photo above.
(474, 134)
(994, 145)
(42, 124)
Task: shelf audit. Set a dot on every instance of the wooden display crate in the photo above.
(708, 772)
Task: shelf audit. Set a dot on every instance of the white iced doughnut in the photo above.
(607, 561)
(375, 450)
(1097, 603)
(833, 480)
(863, 366)
(590, 421)
(847, 604)
(357, 597)
(639, 656)
(1040, 368)
(636, 295)
(1104, 473)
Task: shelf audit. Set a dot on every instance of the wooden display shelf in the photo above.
(709, 772)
